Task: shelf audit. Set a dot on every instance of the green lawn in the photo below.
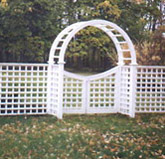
(83, 137)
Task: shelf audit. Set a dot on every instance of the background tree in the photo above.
(152, 52)
(91, 49)
(28, 28)
(94, 54)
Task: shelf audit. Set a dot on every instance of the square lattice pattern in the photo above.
(72, 95)
(102, 92)
(53, 92)
(150, 95)
(125, 90)
(23, 89)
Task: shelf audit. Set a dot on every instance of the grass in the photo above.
(83, 137)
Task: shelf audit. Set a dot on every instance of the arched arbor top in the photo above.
(123, 44)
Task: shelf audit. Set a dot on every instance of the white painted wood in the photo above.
(117, 89)
(108, 27)
(32, 89)
(96, 96)
(132, 92)
(27, 89)
(93, 86)
(23, 89)
(150, 89)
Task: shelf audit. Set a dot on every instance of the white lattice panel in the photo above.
(73, 97)
(102, 94)
(91, 94)
(53, 92)
(124, 90)
(150, 95)
(127, 90)
(23, 89)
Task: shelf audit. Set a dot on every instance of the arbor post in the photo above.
(60, 89)
(117, 89)
(133, 82)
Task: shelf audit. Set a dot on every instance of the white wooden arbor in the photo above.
(32, 89)
(56, 63)
(117, 35)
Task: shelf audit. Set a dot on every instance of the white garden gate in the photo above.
(48, 89)
(92, 94)
(102, 93)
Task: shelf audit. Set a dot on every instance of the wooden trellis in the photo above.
(48, 89)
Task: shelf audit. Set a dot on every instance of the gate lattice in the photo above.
(92, 94)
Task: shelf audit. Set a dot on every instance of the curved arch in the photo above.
(118, 36)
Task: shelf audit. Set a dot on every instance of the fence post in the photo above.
(49, 87)
(117, 89)
(60, 89)
(133, 81)
(55, 107)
